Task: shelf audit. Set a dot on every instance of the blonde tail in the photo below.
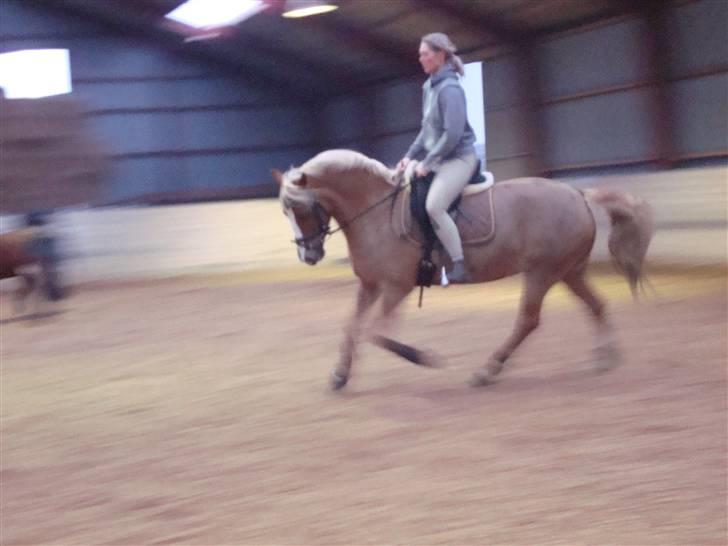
(631, 233)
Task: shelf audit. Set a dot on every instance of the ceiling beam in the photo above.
(613, 9)
(287, 57)
(657, 46)
(503, 30)
(399, 54)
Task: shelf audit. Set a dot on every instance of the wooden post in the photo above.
(658, 59)
(532, 94)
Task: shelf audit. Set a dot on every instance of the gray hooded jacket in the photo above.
(445, 132)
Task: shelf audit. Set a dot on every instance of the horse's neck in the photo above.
(350, 200)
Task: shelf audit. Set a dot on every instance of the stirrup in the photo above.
(457, 275)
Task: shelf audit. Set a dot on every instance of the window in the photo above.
(473, 85)
(35, 73)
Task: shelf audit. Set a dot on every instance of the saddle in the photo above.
(472, 211)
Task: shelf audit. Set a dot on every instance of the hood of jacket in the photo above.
(446, 72)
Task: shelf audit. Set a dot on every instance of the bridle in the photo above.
(323, 217)
(310, 242)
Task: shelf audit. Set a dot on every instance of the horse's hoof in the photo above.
(487, 374)
(606, 358)
(481, 378)
(337, 381)
(494, 366)
(428, 359)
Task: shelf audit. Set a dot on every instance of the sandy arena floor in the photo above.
(195, 411)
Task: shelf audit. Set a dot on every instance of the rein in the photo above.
(393, 194)
(325, 231)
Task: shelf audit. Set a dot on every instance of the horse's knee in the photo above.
(529, 323)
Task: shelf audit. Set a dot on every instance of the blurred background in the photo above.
(144, 131)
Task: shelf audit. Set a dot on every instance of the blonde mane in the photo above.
(331, 165)
(337, 162)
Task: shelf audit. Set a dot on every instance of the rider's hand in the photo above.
(420, 170)
(402, 165)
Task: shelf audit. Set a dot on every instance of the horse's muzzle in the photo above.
(312, 256)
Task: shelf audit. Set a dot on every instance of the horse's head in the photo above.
(309, 219)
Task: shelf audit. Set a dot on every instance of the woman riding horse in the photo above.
(544, 229)
(446, 141)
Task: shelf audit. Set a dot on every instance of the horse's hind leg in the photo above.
(366, 296)
(607, 353)
(535, 287)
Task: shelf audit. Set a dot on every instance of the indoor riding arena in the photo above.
(180, 392)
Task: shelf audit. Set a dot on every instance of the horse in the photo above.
(545, 230)
(31, 255)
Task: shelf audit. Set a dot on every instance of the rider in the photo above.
(445, 142)
(44, 247)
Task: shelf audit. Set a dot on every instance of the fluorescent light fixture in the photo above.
(203, 36)
(35, 73)
(304, 8)
(215, 13)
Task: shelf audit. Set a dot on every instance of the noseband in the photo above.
(309, 242)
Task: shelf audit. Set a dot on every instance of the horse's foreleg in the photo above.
(28, 284)
(529, 314)
(392, 297)
(366, 297)
(607, 352)
(407, 352)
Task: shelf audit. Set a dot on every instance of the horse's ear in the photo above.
(277, 176)
(297, 178)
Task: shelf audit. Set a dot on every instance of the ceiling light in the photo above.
(304, 8)
(215, 13)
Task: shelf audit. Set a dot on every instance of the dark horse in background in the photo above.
(31, 255)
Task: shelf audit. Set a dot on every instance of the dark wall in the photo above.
(171, 123)
(698, 89)
(582, 124)
(508, 118)
(601, 89)
(585, 98)
(381, 121)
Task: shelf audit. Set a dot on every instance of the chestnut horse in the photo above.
(545, 230)
(31, 255)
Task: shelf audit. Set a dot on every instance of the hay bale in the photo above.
(49, 157)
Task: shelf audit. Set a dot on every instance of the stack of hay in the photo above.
(48, 158)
